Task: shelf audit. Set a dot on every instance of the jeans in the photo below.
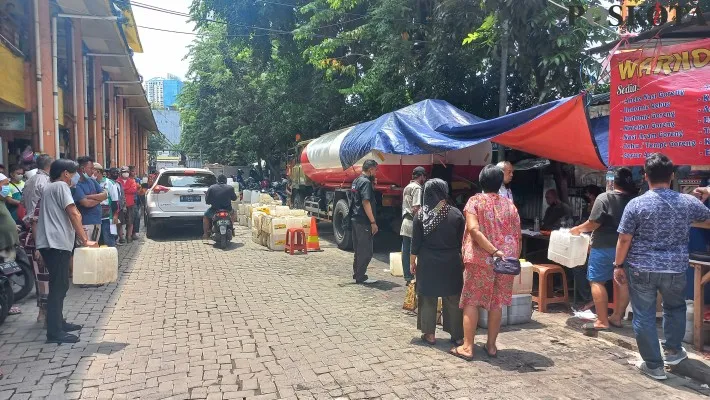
(363, 246)
(643, 289)
(108, 239)
(57, 263)
(136, 219)
(406, 251)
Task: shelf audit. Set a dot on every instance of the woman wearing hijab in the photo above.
(492, 230)
(436, 262)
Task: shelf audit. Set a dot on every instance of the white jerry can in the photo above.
(95, 265)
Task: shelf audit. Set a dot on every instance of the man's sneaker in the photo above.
(369, 281)
(63, 338)
(658, 374)
(675, 359)
(69, 327)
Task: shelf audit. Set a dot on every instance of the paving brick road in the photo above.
(187, 320)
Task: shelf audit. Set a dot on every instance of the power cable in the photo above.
(271, 30)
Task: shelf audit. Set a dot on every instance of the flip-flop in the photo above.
(494, 355)
(589, 326)
(14, 310)
(430, 343)
(455, 352)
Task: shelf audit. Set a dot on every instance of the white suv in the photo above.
(177, 195)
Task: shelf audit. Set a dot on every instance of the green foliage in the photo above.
(266, 72)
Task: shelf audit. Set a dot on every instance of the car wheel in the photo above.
(151, 228)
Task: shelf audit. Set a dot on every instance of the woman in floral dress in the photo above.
(492, 230)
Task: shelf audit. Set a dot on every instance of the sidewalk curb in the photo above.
(684, 369)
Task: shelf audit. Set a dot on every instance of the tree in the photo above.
(265, 71)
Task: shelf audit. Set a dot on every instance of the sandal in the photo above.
(589, 326)
(430, 343)
(455, 352)
(14, 310)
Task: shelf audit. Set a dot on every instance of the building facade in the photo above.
(68, 85)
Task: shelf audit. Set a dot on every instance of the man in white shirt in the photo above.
(507, 168)
(411, 201)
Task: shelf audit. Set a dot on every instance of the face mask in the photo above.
(5, 191)
(85, 175)
(125, 174)
(18, 177)
(74, 179)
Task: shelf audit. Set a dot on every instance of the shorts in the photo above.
(601, 264)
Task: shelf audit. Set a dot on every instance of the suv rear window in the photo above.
(180, 179)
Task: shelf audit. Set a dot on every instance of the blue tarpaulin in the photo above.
(435, 126)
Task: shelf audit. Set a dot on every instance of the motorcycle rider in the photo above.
(219, 196)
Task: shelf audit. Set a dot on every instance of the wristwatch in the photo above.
(617, 265)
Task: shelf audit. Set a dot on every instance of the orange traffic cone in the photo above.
(313, 240)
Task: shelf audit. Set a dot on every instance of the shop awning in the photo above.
(111, 38)
(559, 130)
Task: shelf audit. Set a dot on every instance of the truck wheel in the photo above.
(343, 237)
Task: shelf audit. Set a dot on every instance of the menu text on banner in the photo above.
(660, 102)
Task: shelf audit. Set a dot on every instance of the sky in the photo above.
(163, 52)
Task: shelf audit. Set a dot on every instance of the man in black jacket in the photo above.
(219, 196)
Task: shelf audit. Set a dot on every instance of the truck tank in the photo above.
(320, 161)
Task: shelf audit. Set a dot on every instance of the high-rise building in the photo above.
(163, 92)
(154, 89)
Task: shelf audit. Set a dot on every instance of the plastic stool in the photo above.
(545, 293)
(296, 241)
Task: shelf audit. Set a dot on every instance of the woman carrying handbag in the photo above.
(490, 250)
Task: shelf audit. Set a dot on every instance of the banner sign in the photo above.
(660, 102)
(12, 121)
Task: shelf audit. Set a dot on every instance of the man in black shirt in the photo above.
(557, 211)
(219, 197)
(364, 226)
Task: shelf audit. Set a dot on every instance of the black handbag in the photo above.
(506, 265)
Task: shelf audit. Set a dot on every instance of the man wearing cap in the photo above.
(109, 207)
(411, 201)
(130, 188)
(88, 195)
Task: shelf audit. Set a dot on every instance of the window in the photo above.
(180, 179)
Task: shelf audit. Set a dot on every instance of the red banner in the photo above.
(660, 102)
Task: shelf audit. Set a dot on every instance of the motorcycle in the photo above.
(222, 228)
(19, 274)
(278, 192)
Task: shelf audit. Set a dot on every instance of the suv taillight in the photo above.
(158, 189)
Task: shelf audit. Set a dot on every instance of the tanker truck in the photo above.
(321, 186)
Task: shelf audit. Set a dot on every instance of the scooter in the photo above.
(19, 274)
(222, 228)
